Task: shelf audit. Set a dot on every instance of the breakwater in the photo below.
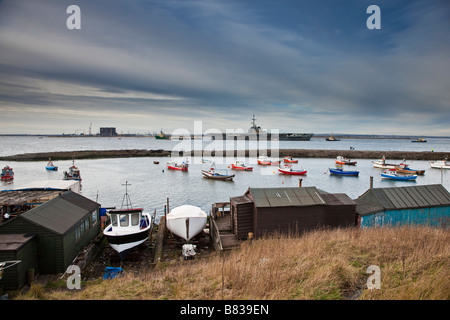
(296, 153)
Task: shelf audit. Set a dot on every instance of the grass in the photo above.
(320, 265)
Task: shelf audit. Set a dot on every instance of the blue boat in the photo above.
(50, 166)
(395, 176)
(342, 172)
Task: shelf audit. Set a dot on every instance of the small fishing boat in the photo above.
(240, 165)
(440, 164)
(404, 168)
(344, 160)
(186, 221)
(213, 174)
(73, 173)
(381, 164)
(162, 136)
(341, 172)
(419, 140)
(290, 171)
(332, 138)
(129, 227)
(155, 162)
(184, 166)
(50, 166)
(264, 161)
(289, 159)
(392, 175)
(7, 174)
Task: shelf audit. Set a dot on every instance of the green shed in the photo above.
(21, 248)
(63, 227)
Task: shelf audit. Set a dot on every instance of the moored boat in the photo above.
(440, 164)
(290, 171)
(342, 172)
(404, 168)
(240, 165)
(7, 174)
(73, 173)
(392, 175)
(382, 164)
(50, 166)
(186, 221)
(213, 174)
(184, 166)
(344, 160)
(162, 136)
(289, 159)
(264, 161)
(419, 140)
(129, 227)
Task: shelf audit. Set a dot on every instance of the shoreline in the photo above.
(296, 153)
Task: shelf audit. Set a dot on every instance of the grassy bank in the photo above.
(414, 264)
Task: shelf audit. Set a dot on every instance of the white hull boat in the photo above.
(441, 164)
(129, 228)
(186, 221)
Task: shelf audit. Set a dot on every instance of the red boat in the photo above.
(239, 165)
(289, 170)
(174, 166)
(289, 160)
(7, 174)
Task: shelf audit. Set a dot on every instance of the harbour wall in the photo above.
(296, 153)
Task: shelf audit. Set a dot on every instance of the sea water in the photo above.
(151, 185)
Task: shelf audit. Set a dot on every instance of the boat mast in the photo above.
(126, 197)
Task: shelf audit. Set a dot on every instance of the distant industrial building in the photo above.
(108, 132)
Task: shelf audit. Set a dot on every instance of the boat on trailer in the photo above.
(186, 221)
(129, 227)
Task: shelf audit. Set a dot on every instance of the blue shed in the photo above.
(396, 206)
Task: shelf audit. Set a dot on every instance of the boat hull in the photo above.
(186, 227)
(398, 178)
(177, 168)
(51, 168)
(292, 172)
(125, 242)
(339, 172)
(217, 176)
(234, 167)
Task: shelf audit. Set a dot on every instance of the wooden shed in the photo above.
(267, 210)
(22, 248)
(411, 205)
(63, 226)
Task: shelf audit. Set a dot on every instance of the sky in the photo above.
(297, 65)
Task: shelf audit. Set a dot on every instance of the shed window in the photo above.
(94, 217)
(124, 220)
(135, 219)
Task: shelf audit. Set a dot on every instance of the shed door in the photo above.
(47, 254)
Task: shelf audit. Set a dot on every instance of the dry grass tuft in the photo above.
(326, 264)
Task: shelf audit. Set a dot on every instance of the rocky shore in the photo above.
(296, 153)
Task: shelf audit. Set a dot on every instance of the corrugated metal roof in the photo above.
(61, 213)
(377, 199)
(283, 197)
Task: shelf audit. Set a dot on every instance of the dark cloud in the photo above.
(168, 63)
